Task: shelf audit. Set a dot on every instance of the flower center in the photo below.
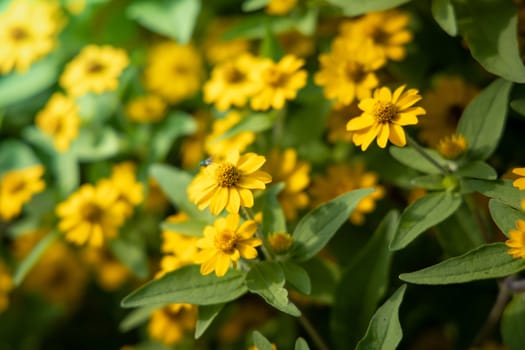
(92, 213)
(385, 112)
(454, 113)
(225, 241)
(181, 69)
(227, 175)
(94, 67)
(17, 187)
(355, 71)
(233, 75)
(380, 36)
(19, 34)
(275, 78)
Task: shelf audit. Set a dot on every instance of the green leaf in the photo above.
(189, 228)
(505, 216)
(483, 120)
(413, 159)
(518, 106)
(490, 30)
(32, 258)
(260, 341)
(297, 276)
(301, 344)
(98, 108)
(16, 155)
(324, 276)
(267, 280)
(513, 323)
(363, 285)
(175, 19)
(273, 215)
(485, 262)
(137, 317)
(270, 46)
(354, 8)
(384, 331)
(92, 145)
(477, 170)
(253, 5)
(175, 125)
(421, 215)
(501, 190)
(67, 172)
(317, 227)
(445, 15)
(187, 285)
(429, 182)
(207, 313)
(131, 254)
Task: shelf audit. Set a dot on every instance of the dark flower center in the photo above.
(227, 175)
(385, 112)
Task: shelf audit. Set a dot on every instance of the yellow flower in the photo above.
(520, 182)
(173, 71)
(231, 83)
(278, 82)
(123, 180)
(296, 43)
(95, 69)
(228, 184)
(280, 7)
(17, 187)
(169, 324)
(218, 146)
(218, 50)
(444, 105)
(156, 200)
(285, 167)
(280, 242)
(337, 120)
(342, 178)
(451, 147)
(146, 109)
(348, 70)
(6, 284)
(387, 29)
(28, 31)
(110, 273)
(225, 242)
(384, 116)
(92, 214)
(516, 241)
(60, 120)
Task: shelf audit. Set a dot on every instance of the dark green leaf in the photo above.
(513, 323)
(297, 277)
(273, 215)
(500, 189)
(32, 258)
(477, 170)
(189, 228)
(445, 15)
(207, 314)
(413, 159)
(137, 317)
(317, 227)
(324, 276)
(505, 216)
(131, 254)
(187, 285)
(421, 215)
(354, 8)
(301, 344)
(485, 262)
(384, 331)
(260, 341)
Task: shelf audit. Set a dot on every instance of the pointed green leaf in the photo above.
(354, 8)
(32, 258)
(297, 277)
(505, 216)
(187, 285)
(445, 15)
(137, 317)
(483, 120)
(421, 215)
(384, 331)
(273, 215)
(513, 323)
(485, 262)
(501, 190)
(317, 227)
(207, 313)
(267, 279)
(413, 159)
(301, 344)
(477, 170)
(260, 341)
(363, 285)
(190, 228)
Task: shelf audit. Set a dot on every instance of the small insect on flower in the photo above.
(206, 162)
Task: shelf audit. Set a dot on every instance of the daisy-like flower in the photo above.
(384, 116)
(170, 324)
(342, 178)
(218, 146)
(92, 214)
(146, 109)
(17, 187)
(280, 242)
(348, 71)
(28, 31)
(60, 120)
(173, 71)
(218, 50)
(519, 182)
(516, 242)
(231, 83)
(278, 82)
(96, 69)
(226, 242)
(280, 7)
(453, 146)
(336, 123)
(123, 179)
(228, 184)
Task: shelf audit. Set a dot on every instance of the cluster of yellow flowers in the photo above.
(516, 241)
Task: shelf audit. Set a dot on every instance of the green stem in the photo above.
(423, 152)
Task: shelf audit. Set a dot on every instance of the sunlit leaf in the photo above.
(207, 313)
(445, 15)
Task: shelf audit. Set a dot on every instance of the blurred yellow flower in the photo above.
(519, 182)
(280, 242)
(95, 69)
(226, 242)
(28, 31)
(110, 273)
(60, 120)
(123, 179)
(173, 71)
(218, 50)
(347, 71)
(6, 284)
(231, 83)
(92, 214)
(337, 119)
(452, 146)
(155, 201)
(284, 167)
(219, 146)
(516, 241)
(146, 109)
(228, 184)
(17, 187)
(277, 82)
(170, 324)
(342, 178)
(296, 43)
(280, 7)
(387, 29)
(384, 116)
(444, 105)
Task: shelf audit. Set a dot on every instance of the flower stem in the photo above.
(312, 332)
(413, 143)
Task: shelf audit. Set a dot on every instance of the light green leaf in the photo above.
(297, 276)
(429, 182)
(354, 8)
(93, 145)
(317, 227)
(267, 280)
(137, 317)
(273, 215)
(445, 15)
(483, 121)
(421, 215)
(485, 262)
(190, 228)
(98, 108)
(207, 313)
(513, 323)
(501, 190)
(16, 155)
(131, 254)
(175, 125)
(477, 170)
(490, 30)
(32, 258)
(175, 19)
(363, 285)
(301, 344)
(505, 216)
(384, 331)
(260, 341)
(253, 5)
(67, 172)
(187, 285)
(413, 159)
